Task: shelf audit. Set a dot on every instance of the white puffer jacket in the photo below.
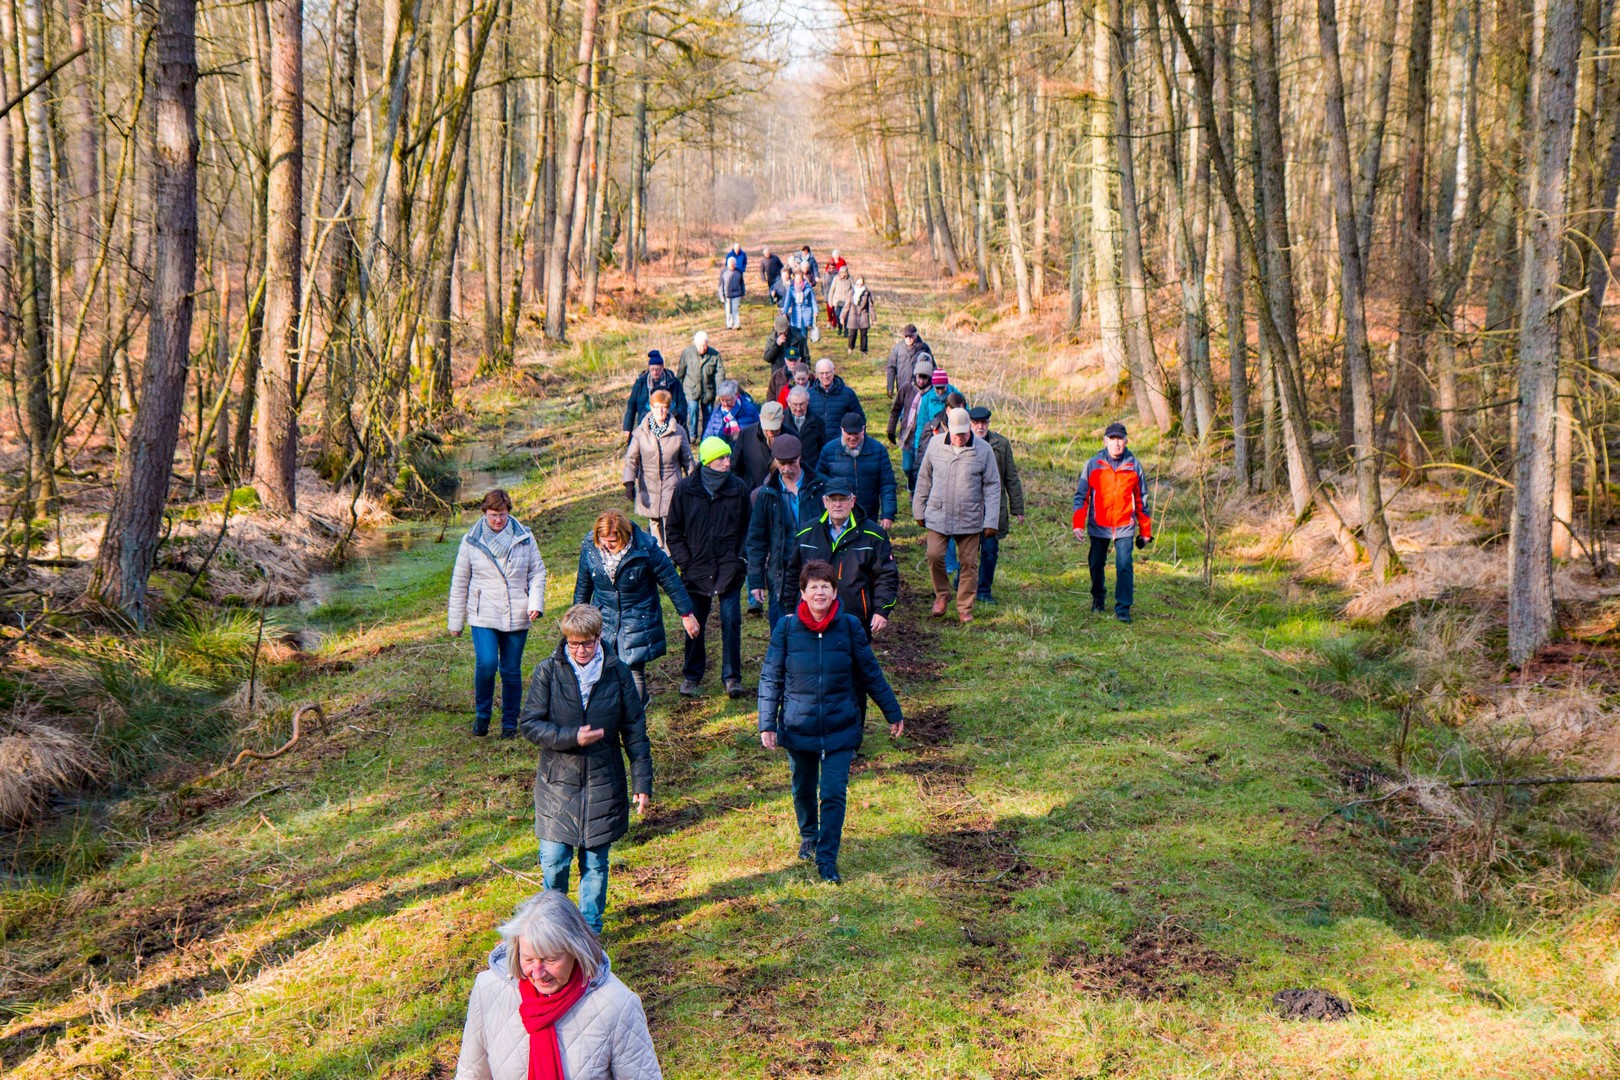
(603, 1037)
(483, 592)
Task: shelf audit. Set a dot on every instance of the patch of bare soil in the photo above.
(987, 857)
(1154, 965)
(1309, 1005)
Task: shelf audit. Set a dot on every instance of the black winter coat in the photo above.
(580, 794)
(868, 576)
(751, 457)
(707, 534)
(632, 617)
(773, 535)
(640, 403)
(811, 433)
(811, 686)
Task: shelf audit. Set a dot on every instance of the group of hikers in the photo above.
(792, 502)
(792, 287)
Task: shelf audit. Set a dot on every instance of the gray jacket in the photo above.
(655, 464)
(700, 374)
(604, 1037)
(484, 592)
(958, 487)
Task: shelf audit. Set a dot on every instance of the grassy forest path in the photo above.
(1098, 850)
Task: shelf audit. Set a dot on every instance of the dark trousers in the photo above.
(1124, 572)
(638, 676)
(989, 548)
(777, 608)
(697, 660)
(853, 332)
(497, 651)
(820, 787)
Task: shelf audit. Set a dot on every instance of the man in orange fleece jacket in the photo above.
(1111, 509)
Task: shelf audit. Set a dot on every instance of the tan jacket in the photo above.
(655, 464)
(958, 488)
(604, 1037)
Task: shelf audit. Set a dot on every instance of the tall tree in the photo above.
(562, 229)
(124, 560)
(1414, 240)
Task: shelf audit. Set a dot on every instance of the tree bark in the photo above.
(124, 561)
(1237, 331)
(557, 253)
(83, 157)
(1413, 285)
(1103, 220)
(1531, 618)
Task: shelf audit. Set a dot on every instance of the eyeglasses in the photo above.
(585, 647)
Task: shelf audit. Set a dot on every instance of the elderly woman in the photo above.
(818, 671)
(733, 411)
(621, 570)
(658, 456)
(799, 305)
(499, 587)
(839, 290)
(857, 314)
(584, 713)
(549, 1007)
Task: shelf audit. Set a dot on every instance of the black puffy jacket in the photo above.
(580, 794)
(632, 618)
(811, 686)
(868, 576)
(812, 436)
(773, 535)
(707, 534)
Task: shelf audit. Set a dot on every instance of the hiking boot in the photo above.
(939, 607)
(689, 688)
(1097, 607)
(480, 728)
(734, 688)
(509, 733)
(807, 849)
(1123, 616)
(984, 598)
(967, 620)
(830, 875)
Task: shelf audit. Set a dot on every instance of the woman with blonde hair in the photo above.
(621, 570)
(659, 455)
(498, 587)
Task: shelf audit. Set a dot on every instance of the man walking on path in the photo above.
(788, 499)
(858, 549)
(732, 288)
(806, 426)
(770, 268)
(740, 255)
(708, 531)
(865, 464)
(649, 382)
(818, 672)
(1111, 510)
(786, 348)
(831, 397)
(902, 357)
(958, 498)
(1012, 498)
(700, 371)
(752, 460)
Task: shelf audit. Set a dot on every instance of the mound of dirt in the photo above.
(1299, 1004)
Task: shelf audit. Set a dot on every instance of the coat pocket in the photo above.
(563, 769)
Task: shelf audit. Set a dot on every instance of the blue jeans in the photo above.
(909, 465)
(810, 770)
(988, 548)
(1124, 572)
(952, 563)
(694, 420)
(775, 609)
(497, 650)
(555, 862)
(697, 660)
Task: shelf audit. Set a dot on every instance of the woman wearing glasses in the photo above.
(584, 713)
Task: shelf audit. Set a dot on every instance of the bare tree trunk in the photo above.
(441, 388)
(83, 154)
(276, 460)
(1531, 618)
(600, 162)
(1413, 287)
(35, 212)
(129, 545)
(8, 187)
(1383, 65)
(1237, 331)
(1038, 151)
(557, 254)
(1358, 358)
(1015, 213)
(933, 152)
(635, 228)
(1103, 220)
(342, 255)
(497, 150)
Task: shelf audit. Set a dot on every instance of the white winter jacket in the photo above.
(603, 1037)
(483, 592)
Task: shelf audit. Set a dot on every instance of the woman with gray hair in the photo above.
(733, 411)
(548, 1006)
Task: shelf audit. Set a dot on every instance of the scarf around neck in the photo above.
(540, 1013)
(499, 543)
(612, 559)
(812, 623)
(589, 673)
(713, 478)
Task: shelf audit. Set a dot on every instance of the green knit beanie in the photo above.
(713, 449)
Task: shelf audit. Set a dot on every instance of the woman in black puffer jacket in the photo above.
(584, 713)
(818, 671)
(621, 570)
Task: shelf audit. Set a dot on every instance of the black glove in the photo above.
(1142, 542)
(630, 490)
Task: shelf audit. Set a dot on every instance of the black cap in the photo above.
(1115, 429)
(839, 486)
(908, 330)
(979, 412)
(853, 422)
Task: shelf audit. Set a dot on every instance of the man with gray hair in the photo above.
(958, 497)
(700, 371)
(831, 398)
(805, 426)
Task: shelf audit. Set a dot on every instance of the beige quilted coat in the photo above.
(604, 1037)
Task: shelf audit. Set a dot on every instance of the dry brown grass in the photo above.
(37, 758)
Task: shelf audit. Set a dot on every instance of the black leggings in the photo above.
(852, 334)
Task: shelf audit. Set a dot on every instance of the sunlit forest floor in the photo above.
(1099, 850)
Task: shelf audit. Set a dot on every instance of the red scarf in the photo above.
(540, 1013)
(809, 620)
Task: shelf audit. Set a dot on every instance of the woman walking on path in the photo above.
(548, 1006)
(498, 587)
(799, 305)
(584, 713)
(621, 570)
(817, 672)
(839, 289)
(659, 455)
(857, 319)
